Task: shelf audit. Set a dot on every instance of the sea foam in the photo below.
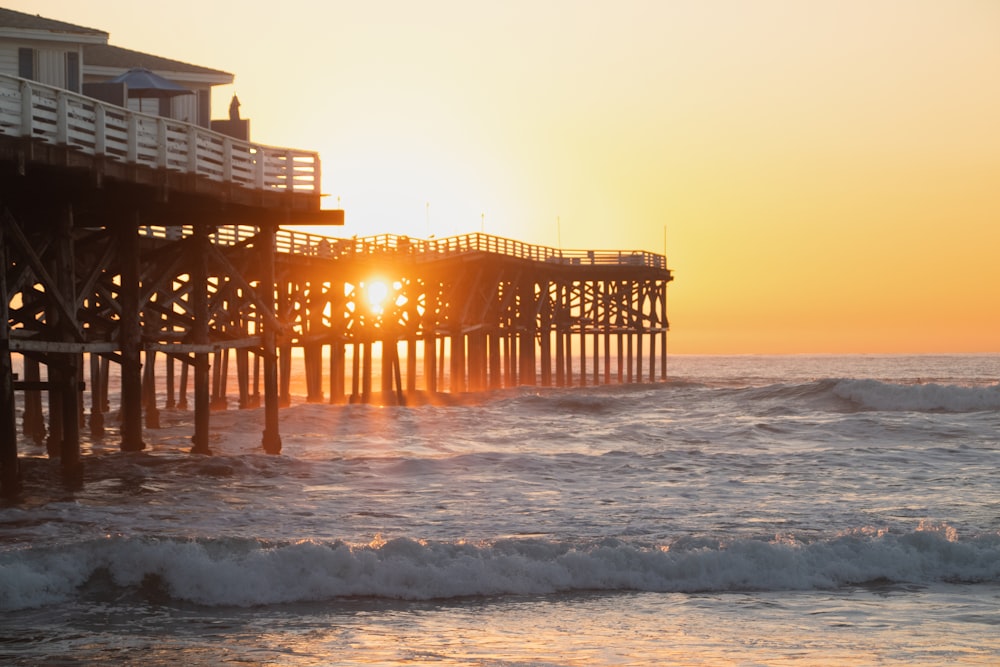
(243, 572)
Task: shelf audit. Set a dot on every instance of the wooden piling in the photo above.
(430, 362)
(10, 473)
(271, 438)
(338, 359)
(33, 421)
(152, 413)
(366, 372)
(67, 363)
(97, 397)
(243, 377)
(411, 365)
(200, 339)
(220, 374)
(638, 354)
(130, 336)
(171, 399)
(182, 402)
(385, 373)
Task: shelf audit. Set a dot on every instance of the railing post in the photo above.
(227, 160)
(100, 129)
(27, 110)
(192, 149)
(132, 154)
(289, 171)
(259, 167)
(161, 143)
(62, 119)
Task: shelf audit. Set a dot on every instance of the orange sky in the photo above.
(827, 172)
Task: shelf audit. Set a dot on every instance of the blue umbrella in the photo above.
(142, 83)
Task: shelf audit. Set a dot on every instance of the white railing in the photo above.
(328, 247)
(60, 117)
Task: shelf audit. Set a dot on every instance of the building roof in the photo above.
(20, 21)
(105, 56)
(99, 57)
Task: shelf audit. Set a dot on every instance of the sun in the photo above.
(376, 294)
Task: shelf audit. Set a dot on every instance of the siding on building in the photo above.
(50, 61)
(66, 56)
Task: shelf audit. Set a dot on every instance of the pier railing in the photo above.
(423, 250)
(61, 117)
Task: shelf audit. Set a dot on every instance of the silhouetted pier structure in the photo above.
(136, 243)
(467, 314)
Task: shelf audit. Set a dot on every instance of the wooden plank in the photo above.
(60, 347)
(26, 385)
(208, 348)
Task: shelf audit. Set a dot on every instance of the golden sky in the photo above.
(826, 173)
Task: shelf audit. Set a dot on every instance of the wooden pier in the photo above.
(153, 250)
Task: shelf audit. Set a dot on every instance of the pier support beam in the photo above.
(388, 351)
(430, 362)
(496, 377)
(97, 398)
(544, 311)
(220, 376)
(271, 439)
(313, 359)
(526, 333)
(366, 371)
(199, 307)
(10, 472)
(355, 372)
(130, 337)
(152, 413)
(171, 401)
(69, 363)
(33, 422)
(411, 364)
(243, 377)
(338, 359)
(666, 325)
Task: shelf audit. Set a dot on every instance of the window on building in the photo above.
(73, 71)
(205, 108)
(26, 63)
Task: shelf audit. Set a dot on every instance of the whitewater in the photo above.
(751, 510)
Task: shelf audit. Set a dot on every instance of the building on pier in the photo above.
(150, 247)
(80, 60)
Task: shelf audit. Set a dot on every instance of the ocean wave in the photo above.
(931, 397)
(866, 394)
(243, 572)
(791, 393)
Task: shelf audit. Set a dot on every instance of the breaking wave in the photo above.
(867, 394)
(875, 395)
(228, 572)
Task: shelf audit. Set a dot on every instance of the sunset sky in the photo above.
(826, 173)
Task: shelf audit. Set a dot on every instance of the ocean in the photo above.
(752, 510)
